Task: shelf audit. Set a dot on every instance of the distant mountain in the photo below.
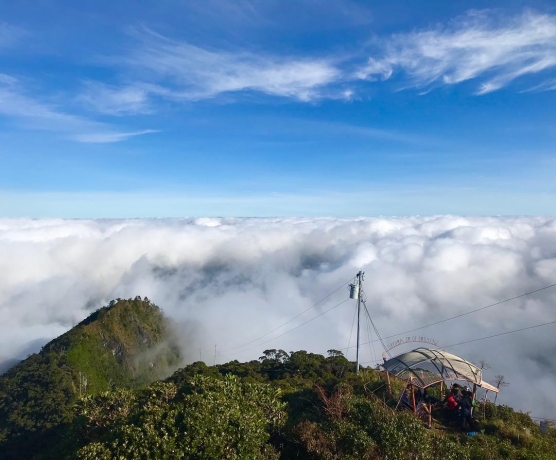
(126, 344)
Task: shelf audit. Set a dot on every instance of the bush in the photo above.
(216, 418)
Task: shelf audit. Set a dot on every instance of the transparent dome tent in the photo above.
(424, 367)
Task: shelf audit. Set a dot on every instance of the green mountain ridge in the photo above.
(126, 344)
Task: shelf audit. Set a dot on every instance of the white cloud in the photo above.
(547, 85)
(38, 115)
(103, 138)
(482, 46)
(112, 100)
(478, 46)
(200, 73)
(473, 47)
(230, 280)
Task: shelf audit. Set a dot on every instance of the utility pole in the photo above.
(214, 355)
(200, 358)
(355, 293)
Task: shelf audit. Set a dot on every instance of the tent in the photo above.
(424, 367)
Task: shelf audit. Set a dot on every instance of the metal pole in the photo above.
(215, 354)
(358, 323)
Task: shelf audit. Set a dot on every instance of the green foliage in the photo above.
(216, 418)
(122, 345)
(224, 414)
(355, 426)
(337, 439)
(510, 435)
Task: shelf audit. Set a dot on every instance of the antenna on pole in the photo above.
(355, 293)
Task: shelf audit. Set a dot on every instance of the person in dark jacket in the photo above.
(466, 405)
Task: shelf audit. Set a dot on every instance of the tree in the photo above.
(499, 383)
(335, 354)
(277, 356)
(216, 418)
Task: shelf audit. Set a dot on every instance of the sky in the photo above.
(276, 108)
(235, 282)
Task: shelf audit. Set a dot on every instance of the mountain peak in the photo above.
(125, 344)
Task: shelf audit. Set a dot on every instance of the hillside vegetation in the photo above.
(286, 405)
(123, 345)
(294, 405)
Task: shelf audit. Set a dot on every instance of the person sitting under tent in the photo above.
(405, 399)
(424, 411)
(426, 397)
(467, 403)
(423, 368)
(451, 400)
(451, 403)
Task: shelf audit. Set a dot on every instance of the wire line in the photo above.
(290, 320)
(293, 329)
(376, 330)
(502, 333)
(372, 354)
(493, 335)
(464, 314)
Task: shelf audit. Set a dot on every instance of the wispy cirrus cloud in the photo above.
(547, 85)
(35, 114)
(112, 100)
(110, 137)
(476, 46)
(186, 71)
(480, 45)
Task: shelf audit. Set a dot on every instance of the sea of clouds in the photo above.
(227, 281)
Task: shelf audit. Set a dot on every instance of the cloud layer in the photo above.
(228, 281)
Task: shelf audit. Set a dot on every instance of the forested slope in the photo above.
(126, 344)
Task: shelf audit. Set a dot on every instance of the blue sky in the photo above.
(257, 108)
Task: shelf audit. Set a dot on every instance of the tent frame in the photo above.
(446, 370)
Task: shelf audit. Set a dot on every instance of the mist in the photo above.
(225, 282)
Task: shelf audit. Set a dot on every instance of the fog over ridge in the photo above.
(227, 281)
